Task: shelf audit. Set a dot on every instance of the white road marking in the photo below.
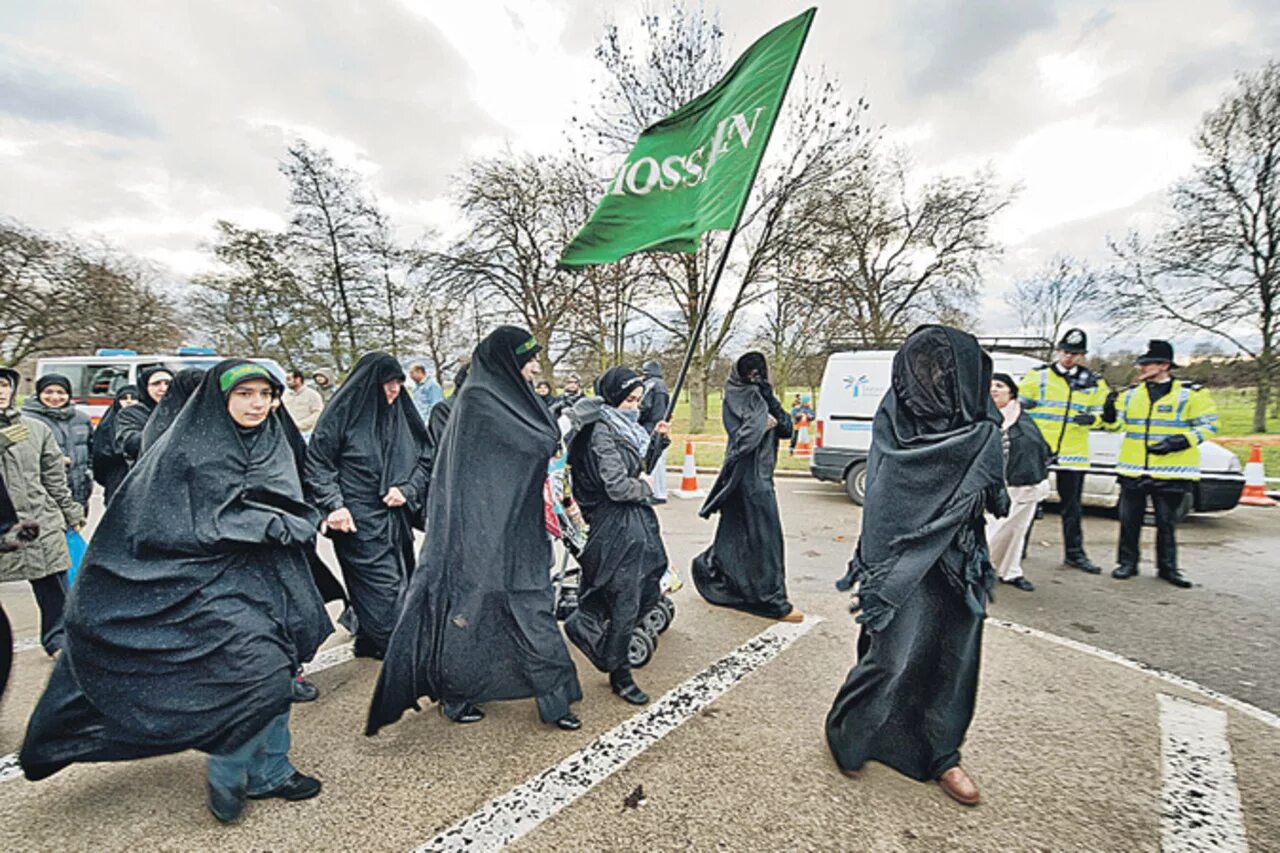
(518, 812)
(1200, 803)
(26, 644)
(10, 769)
(1231, 702)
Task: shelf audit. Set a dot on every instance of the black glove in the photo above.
(1109, 408)
(1083, 419)
(1171, 444)
(1027, 403)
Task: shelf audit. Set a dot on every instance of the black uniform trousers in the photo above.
(1070, 494)
(1167, 497)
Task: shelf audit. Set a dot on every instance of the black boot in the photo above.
(1122, 573)
(621, 682)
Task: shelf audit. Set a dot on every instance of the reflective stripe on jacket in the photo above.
(1057, 401)
(1186, 410)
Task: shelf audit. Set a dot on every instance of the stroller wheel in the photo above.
(669, 607)
(640, 649)
(654, 623)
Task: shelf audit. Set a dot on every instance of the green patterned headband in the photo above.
(241, 372)
(527, 346)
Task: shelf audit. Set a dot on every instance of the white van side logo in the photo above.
(861, 386)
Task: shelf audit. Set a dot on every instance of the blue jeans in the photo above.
(260, 766)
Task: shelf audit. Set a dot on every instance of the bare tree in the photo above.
(1215, 267)
(1066, 289)
(886, 258)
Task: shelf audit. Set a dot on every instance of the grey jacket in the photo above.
(73, 431)
(36, 478)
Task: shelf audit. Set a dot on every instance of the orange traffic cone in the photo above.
(803, 449)
(1255, 481)
(689, 477)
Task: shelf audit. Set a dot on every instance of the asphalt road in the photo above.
(1066, 745)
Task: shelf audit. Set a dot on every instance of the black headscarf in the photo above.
(53, 379)
(746, 407)
(936, 463)
(194, 604)
(617, 383)
(1007, 381)
(144, 377)
(184, 383)
(104, 453)
(497, 361)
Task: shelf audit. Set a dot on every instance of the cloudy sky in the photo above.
(144, 122)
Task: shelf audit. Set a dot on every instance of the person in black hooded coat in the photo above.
(193, 606)
(921, 563)
(153, 384)
(745, 567)
(108, 462)
(367, 468)
(478, 622)
(184, 384)
(624, 558)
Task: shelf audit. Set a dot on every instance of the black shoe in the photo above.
(1123, 573)
(657, 501)
(365, 649)
(304, 691)
(1176, 578)
(464, 713)
(298, 787)
(569, 722)
(225, 803)
(628, 691)
(1084, 564)
(1020, 583)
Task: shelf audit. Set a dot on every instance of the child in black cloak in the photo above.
(108, 462)
(745, 567)
(184, 384)
(153, 384)
(624, 558)
(478, 622)
(194, 606)
(367, 468)
(921, 562)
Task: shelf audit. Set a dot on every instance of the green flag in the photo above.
(691, 172)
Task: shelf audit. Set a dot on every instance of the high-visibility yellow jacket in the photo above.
(1057, 400)
(1187, 409)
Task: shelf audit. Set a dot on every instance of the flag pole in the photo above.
(733, 232)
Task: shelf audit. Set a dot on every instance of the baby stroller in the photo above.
(565, 524)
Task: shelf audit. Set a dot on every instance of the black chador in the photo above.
(107, 460)
(745, 567)
(194, 604)
(361, 449)
(184, 384)
(130, 422)
(921, 562)
(624, 558)
(478, 622)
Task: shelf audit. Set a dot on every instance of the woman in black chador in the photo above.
(108, 462)
(193, 606)
(478, 623)
(153, 384)
(624, 558)
(921, 564)
(367, 468)
(184, 384)
(745, 567)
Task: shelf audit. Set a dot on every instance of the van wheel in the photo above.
(855, 482)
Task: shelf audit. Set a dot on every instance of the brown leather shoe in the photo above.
(959, 786)
(794, 616)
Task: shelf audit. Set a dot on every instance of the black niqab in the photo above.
(184, 384)
(478, 622)
(194, 604)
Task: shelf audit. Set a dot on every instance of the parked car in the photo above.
(853, 384)
(95, 379)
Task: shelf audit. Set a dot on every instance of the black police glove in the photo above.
(1082, 419)
(1109, 413)
(1027, 403)
(1171, 444)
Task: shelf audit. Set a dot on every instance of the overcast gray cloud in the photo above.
(145, 121)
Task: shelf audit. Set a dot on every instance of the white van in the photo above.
(96, 378)
(853, 384)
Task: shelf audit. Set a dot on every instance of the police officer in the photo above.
(1065, 401)
(1165, 420)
